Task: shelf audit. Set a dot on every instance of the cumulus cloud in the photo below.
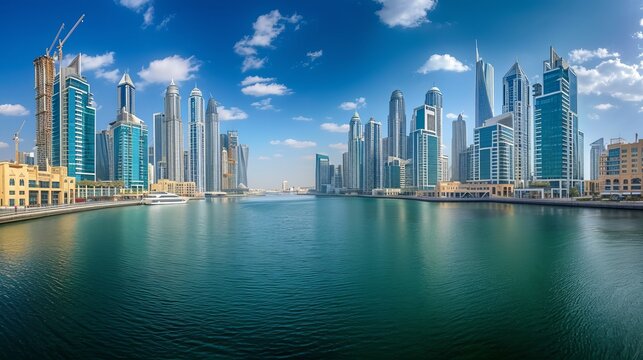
(266, 28)
(612, 77)
(233, 113)
(302, 118)
(264, 89)
(446, 62)
(134, 4)
(141, 6)
(297, 144)
(339, 146)
(312, 56)
(580, 56)
(606, 106)
(333, 127)
(264, 104)
(97, 65)
(13, 110)
(174, 67)
(249, 80)
(405, 13)
(148, 17)
(453, 116)
(638, 35)
(360, 102)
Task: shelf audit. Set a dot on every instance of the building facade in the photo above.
(196, 139)
(26, 185)
(173, 135)
(425, 149)
(597, 148)
(433, 98)
(212, 148)
(44, 72)
(180, 188)
(516, 99)
(242, 168)
(104, 156)
(484, 90)
(372, 155)
(397, 126)
(322, 173)
(493, 153)
(160, 164)
(458, 146)
(622, 168)
(355, 154)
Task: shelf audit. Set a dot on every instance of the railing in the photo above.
(14, 210)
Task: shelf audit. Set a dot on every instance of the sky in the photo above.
(288, 75)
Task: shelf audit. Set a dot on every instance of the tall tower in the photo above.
(212, 148)
(160, 163)
(173, 141)
(125, 95)
(74, 123)
(196, 139)
(557, 140)
(397, 125)
(44, 88)
(425, 148)
(458, 146)
(516, 99)
(484, 90)
(433, 98)
(231, 174)
(597, 148)
(372, 155)
(242, 165)
(355, 154)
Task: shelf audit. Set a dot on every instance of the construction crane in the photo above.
(63, 41)
(16, 140)
(55, 38)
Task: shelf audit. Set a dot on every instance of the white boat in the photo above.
(163, 198)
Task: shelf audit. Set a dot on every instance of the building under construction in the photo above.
(44, 87)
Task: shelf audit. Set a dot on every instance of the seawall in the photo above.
(36, 213)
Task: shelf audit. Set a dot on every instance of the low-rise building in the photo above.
(25, 185)
(621, 168)
(456, 189)
(187, 188)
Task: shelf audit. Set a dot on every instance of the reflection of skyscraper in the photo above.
(397, 126)
(355, 154)
(372, 155)
(196, 140)
(173, 140)
(242, 167)
(516, 99)
(484, 90)
(44, 86)
(212, 148)
(458, 146)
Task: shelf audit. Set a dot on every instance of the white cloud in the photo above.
(264, 89)
(111, 75)
(13, 110)
(134, 4)
(302, 118)
(263, 158)
(453, 116)
(580, 56)
(297, 144)
(336, 128)
(339, 146)
(233, 113)
(174, 67)
(444, 62)
(267, 27)
(166, 20)
(249, 80)
(3, 145)
(96, 64)
(593, 116)
(148, 17)
(641, 109)
(312, 56)
(360, 102)
(612, 77)
(641, 22)
(405, 13)
(638, 35)
(264, 104)
(606, 106)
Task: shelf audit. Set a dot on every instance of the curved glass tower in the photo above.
(212, 148)
(397, 126)
(484, 90)
(355, 154)
(196, 140)
(173, 134)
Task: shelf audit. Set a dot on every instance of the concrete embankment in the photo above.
(9, 216)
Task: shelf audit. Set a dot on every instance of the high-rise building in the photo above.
(556, 141)
(129, 141)
(444, 166)
(196, 139)
(397, 125)
(173, 139)
(372, 155)
(186, 167)
(232, 142)
(484, 90)
(395, 173)
(104, 156)
(337, 176)
(74, 123)
(458, 146)
(322, 173)
(160, 162)
(621, 168)
(44, 72)
(595, 152)
(434, 98)
(581, 157)
(345, 169)
(516, 99)
(242, 167)
(425, 148)
(493, 153)
(355, 154)
(212, 148)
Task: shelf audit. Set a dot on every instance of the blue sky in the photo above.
(308, 64)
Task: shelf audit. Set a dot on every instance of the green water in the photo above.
(324, 277)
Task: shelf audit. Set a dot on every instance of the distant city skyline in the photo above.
(289, 76)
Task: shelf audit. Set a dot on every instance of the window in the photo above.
(55, 184)
(32, 184)
(12, 182)
(22, 182)
(12, 192)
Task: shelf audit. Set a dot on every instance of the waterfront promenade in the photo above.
(9, 215)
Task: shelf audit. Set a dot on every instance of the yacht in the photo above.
(163, 198)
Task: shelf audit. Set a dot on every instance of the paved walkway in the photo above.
(8, 215)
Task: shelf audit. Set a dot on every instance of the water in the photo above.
(324, 277)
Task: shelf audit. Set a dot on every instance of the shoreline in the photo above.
(37, 213)
(498, 200)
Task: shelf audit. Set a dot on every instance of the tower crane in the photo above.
(55, 38)
(16, 140)
(62, 42)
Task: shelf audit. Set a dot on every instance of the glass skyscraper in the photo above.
(493, 153)
(196, 139)
(173, 135)
(434, 98)
(242, 166)
(74, 123)
(372, 155)
(397, 126)
(104, 156)
(322, 173)
(425, 149)
(484, 90)
(355, 154)
(458, 146)
(212, 148)
(516, 99)
(597, 148)
(556, 136)
(160, 167)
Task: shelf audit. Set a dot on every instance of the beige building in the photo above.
(25, 185)
(187, 189)
(456, 189)
(621, 168)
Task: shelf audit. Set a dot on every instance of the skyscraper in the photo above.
(355, 154)
(196, 139)
(434, 98)
(242, 166)
(458, 146)
(484, 90)
(595, 152)
(493, 153)
(129, 135)
(74, 123)
(160, 162)
(104, 156)
(44, 86)
(230, 170)
(556, 135)
(173, 137)
(372, 155)
(516, 99)
(397, 126)
(212, 148)
(322, 172)
(425, 148)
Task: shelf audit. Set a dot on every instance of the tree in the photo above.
(573, 192)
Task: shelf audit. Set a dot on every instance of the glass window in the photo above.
(12, 182)
(22, 182)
